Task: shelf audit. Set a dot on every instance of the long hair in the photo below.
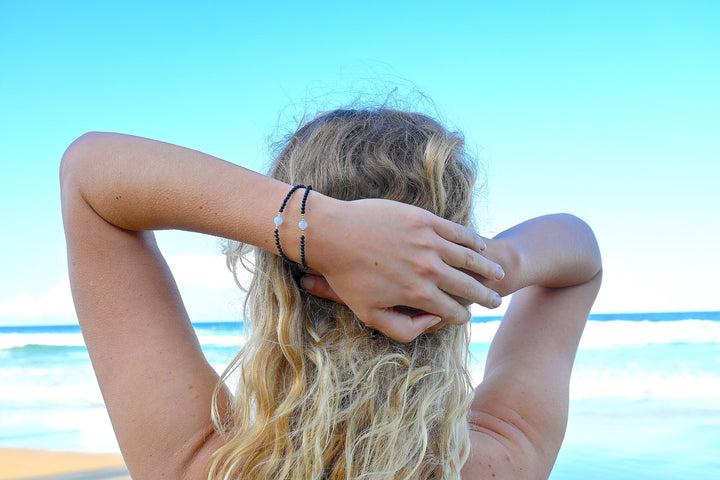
(320, 395)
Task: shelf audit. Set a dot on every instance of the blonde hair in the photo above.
(320, 395)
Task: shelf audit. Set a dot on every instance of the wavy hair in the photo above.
(320, 395)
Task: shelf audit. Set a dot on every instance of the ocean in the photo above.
(645, 393)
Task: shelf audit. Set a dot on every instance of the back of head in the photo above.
(381, 153)
(320, 395)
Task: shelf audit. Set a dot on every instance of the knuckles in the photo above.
(462, 315)
(470, 291)
(421, 293)
(470, 262)
(427, 269)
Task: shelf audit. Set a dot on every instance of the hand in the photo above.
(315, 284)
(377, 255)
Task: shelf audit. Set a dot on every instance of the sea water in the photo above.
(645, 393)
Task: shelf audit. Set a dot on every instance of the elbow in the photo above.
(587, 247)
(76, 159)
(592, 249)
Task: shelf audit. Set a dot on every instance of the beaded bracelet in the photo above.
(302, 224)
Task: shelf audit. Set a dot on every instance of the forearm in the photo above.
(138, 184)
(550, 251)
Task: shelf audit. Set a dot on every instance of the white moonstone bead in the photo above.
(278, 221)
(302, 224)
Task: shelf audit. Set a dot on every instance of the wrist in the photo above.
(506, 253)
(323, 235)
(319, 212)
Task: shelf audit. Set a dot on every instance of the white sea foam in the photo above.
(639, 386)
(62, 427)
(483, 332)
(83, 394)
(598, 334)
(604, 334)
(232, 341)
(623, 332)
(19, 340)
(601, 383)
(637, 359)
(597, 373)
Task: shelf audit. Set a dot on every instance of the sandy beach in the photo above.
(20, 463)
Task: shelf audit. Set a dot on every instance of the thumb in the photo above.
(318, 286)
(432, 322)
(402, 327)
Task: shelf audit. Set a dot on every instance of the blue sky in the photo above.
(609, 110)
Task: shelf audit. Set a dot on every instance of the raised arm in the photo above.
(139, 184)
(519, 413)
(156, 383)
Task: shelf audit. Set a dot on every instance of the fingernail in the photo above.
(307, 282)
(497, 301)
(499, 273)
(435, 321)
(483, 245)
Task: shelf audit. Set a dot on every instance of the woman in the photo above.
(322, 394)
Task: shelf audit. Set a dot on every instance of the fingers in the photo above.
(401, 324)
(466, 279)
(463, 252)
(401, 327)
(466, 259)
(318, 286)
(446, 308)
(461, 285)
(458, 234)
(429, 298)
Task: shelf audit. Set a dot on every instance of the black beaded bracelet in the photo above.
(302, 224)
